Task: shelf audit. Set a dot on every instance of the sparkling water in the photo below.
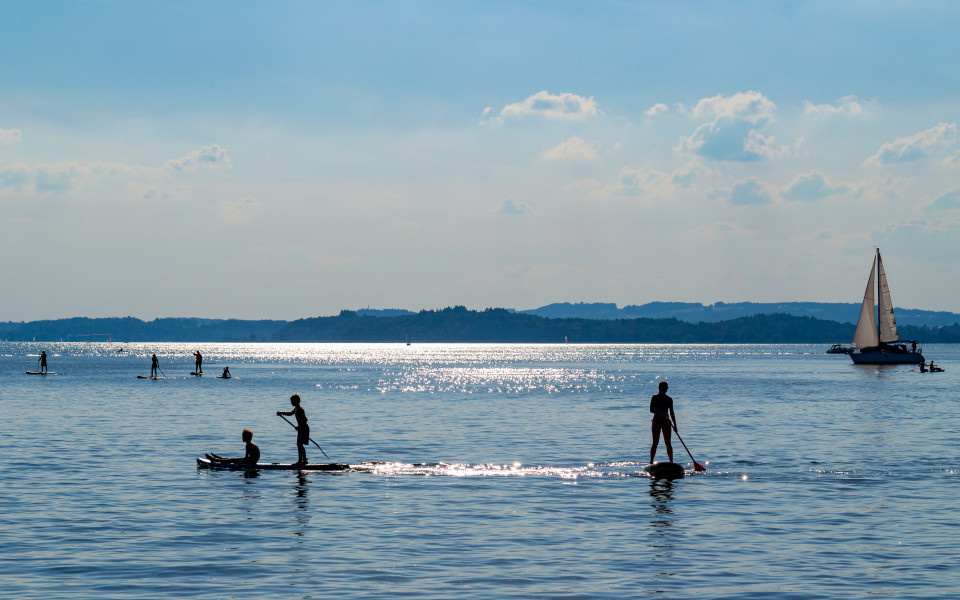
(487, 471)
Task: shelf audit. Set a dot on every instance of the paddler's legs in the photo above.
(655, 430)
(301, 454)
(666, 440)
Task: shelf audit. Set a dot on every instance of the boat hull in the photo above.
(881, 357)
(205, 463)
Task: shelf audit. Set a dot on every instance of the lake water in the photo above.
(510, 471)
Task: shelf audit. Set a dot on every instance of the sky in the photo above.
(281, 160)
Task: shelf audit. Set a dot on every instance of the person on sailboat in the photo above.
(661, 405)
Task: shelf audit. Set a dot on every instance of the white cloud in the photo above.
(948, 201)
(811, 187)
(67, 175)
(569, 107)
(656, 109)
(848, 105)
(510, 208)
(749, 191)
(750, 106)
(42, 178)
(573, 149)
(735, 132)
(917, 146)
(208, 156)
(9, 136)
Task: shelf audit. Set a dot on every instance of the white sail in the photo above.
(888, 325)
(866, 334)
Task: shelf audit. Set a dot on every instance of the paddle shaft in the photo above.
(696, 466)
(309, 438)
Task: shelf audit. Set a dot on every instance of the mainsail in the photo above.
(866, 334)
(888, 325)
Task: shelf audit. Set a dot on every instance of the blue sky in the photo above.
(283, 160)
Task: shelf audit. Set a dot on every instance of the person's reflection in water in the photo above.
(661, 521)
(301, 501)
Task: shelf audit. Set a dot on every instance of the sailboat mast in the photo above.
(876, 262)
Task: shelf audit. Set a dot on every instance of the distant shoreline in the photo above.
(458, 324)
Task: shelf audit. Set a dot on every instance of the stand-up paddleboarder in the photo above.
(303, 430)
(661, 405)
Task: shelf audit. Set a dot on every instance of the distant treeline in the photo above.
(457, 324)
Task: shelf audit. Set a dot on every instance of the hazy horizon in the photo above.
(281, 161)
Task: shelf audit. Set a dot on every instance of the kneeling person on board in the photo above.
(661, 405)
(252, 455)
(303, 430)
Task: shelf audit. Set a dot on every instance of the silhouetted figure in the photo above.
(923, 367)
(661, 405)
(226, 373)
(303, 430)
(251, 457)
(198, 362)
(154, 365)
(43, 361)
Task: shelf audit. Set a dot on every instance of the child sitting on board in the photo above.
(252, 456)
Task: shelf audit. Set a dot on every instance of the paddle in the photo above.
(696, 466)
(311, 439)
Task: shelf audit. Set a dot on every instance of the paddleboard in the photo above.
(150, 377)
(664, 470)
(206, 463)
(41, 372)
(200, 374)
(222, 377)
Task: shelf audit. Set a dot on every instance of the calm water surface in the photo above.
(507, 471)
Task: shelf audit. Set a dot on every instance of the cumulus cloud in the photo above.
(656, 109)
(510, 208)
(573, 149)
(747, 192)
(42, 178)
(948, 201)
(209, 156)
(750, 106)
(811, 187)
(68, 175)
(917, 146)
(735, 131)
(567, 107)
(848, 105)
(9, 136)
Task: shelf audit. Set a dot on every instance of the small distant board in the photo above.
(664, 470)
(206, 463)
(41, 372)
(150, 377)
(224, 376)
(197, 373)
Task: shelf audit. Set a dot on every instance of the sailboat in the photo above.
(875, 341)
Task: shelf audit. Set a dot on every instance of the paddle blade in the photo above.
(698, 467)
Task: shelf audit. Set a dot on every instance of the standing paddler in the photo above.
(303, 430)
(661, 405)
